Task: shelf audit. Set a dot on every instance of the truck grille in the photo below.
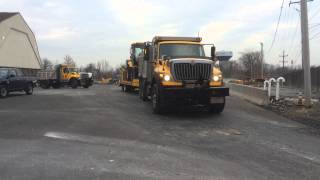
(84, 76)
(188, 71)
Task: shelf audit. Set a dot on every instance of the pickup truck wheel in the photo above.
(157, 101)
(3, 92)
(29, 89)
(217, 108)
(74, 84)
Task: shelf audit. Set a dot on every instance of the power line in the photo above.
(277, 28)
(314, 29)
(285, 23)
(290, 36)
(315, 35)
(314, 25)
(294, 36)
(315, 14)
(315, 38)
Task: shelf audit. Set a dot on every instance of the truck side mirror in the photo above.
(165, 57)
(213, 52)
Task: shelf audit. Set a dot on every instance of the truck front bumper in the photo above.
(195, 96)
(86, 81)
(210, 91)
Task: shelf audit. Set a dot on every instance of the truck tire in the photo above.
(74, 83)
(44, 85)
(56, 85)
(217, 108)
(158, 106)
(127, 88)
(3, 92)
(29, 89)
(86, 83)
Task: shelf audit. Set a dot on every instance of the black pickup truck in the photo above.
(12, 79)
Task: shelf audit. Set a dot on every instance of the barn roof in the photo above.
(6, 15)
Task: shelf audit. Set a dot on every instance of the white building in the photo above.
(18, 46)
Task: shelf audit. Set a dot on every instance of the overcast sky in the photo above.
(103, 29)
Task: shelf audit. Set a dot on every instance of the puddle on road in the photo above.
(204, 133)
(65, 92)
(228, 132)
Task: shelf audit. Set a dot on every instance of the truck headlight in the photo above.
(216, 78)
(167, 78)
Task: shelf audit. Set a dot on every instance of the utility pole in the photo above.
(283, 56)
(305, 50)
(262, 60)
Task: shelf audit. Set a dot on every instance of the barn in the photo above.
(18, 46)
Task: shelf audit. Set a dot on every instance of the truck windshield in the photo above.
(73, 70)
(3, 73)
(181, 50)
(138, 51)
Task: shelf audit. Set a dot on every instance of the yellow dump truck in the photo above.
(64, 75)
(129, 79)
(175, 70)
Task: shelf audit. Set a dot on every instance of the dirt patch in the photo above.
(289, 109)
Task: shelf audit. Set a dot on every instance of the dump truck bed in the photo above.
(47, 74)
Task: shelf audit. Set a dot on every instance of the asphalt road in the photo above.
(103, 133)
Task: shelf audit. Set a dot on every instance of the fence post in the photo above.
(317, 78)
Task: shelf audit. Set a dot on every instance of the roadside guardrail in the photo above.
(254, 95)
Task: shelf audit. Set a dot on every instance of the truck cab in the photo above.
(12, 79)
(64, 75)
(129, 79)
(176, 70)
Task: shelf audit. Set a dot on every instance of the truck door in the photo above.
(13, 81)
(65, 74)
(22, 81)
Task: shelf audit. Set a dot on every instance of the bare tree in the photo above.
(103, 69)
(46, 64)
(103, 66)
(250, 61)
(90, 68)
(68, 60)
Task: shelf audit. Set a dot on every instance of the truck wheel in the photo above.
(29, 89)
(157, 101)
(74, 84)
(44, 85)
(127, 88)
(3, 92)
(56, 85)
(217, 108)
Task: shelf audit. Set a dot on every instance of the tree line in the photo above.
(100, 69)
(248, 67)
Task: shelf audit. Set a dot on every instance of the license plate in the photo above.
(216, 100)
(190, 85)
